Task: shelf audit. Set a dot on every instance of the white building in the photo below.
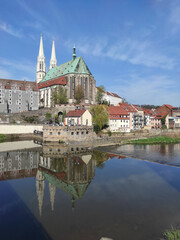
(112, 98)
(78, 117)
(119, 119)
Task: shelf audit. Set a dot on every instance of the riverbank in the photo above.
(154, 140)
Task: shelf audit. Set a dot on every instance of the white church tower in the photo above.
(41, 65)
(53, 61)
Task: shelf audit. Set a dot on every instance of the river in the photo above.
(76, 193)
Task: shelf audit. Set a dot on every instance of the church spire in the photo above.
(41, 50)
(40, 186)
(74, 52)
(53, 61)
(41, 65)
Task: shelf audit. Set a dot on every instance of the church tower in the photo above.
(52, 191)
(53, 61)
(41, 65)
(40, 186)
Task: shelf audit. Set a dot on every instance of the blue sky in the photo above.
(132, 47)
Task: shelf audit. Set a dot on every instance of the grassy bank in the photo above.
(2, 137)
(172, 234)
(155, 140)
(8, 137)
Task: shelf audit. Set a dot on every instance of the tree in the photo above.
(100, 116)
(100, 94)
(60, 96)
(79, 94)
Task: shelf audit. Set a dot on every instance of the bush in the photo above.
(96, 129)
(109, 133)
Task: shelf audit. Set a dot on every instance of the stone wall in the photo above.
(68, 134)
(19, 129)
(40, 114)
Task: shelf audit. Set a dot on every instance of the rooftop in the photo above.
(76, 65)
(76, 113)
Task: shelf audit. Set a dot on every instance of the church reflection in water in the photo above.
(69, 169)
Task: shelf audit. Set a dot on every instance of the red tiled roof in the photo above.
(117, 110)
(137, 107)
(161, 115)
(76, 113)
(168, 106)
(55, 81)
(127, 107)
(20, 85)
(113, 94)
(148, 112)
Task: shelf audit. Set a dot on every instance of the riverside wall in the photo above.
(119, 138)
(19, 129)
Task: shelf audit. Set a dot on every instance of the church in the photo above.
(69, 75)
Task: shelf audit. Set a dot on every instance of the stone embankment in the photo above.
(118, 139)
(27, 132)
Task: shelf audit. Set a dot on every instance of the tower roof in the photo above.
(76, 65)
(53, 54)
(41, 50)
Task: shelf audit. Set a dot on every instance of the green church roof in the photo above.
(76, 65)
(76, 190)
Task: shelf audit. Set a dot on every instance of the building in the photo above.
(166, 108)
(78, 117)
(69, 75)
(138, 118)
(112, 98)
(174, 122)
(18, 96)
(119, 119)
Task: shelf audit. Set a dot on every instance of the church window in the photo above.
(86, 88)
(71, 87)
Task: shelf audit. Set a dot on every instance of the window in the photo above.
(59, 133)
(82, 133)
(87, 132)
(72, 133)
(50, 133)
(77, 133)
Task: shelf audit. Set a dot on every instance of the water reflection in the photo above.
(70, 170)
(160, 153)
(76, 193)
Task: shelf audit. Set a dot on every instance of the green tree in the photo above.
(100, 115)
(79, 94)
(60, 96)
(48, 117)
(100, 94)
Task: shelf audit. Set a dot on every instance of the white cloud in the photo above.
(137, 52)
(17, 69)
(155, 89)
(10, 30)
(32, 13)
(5, 74)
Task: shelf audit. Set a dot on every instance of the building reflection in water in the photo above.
(18, 164)
(69, 169)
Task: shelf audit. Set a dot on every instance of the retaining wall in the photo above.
(19, 129)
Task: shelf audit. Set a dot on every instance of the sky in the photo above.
(132, 47)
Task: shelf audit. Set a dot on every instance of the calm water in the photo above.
(54, 192)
